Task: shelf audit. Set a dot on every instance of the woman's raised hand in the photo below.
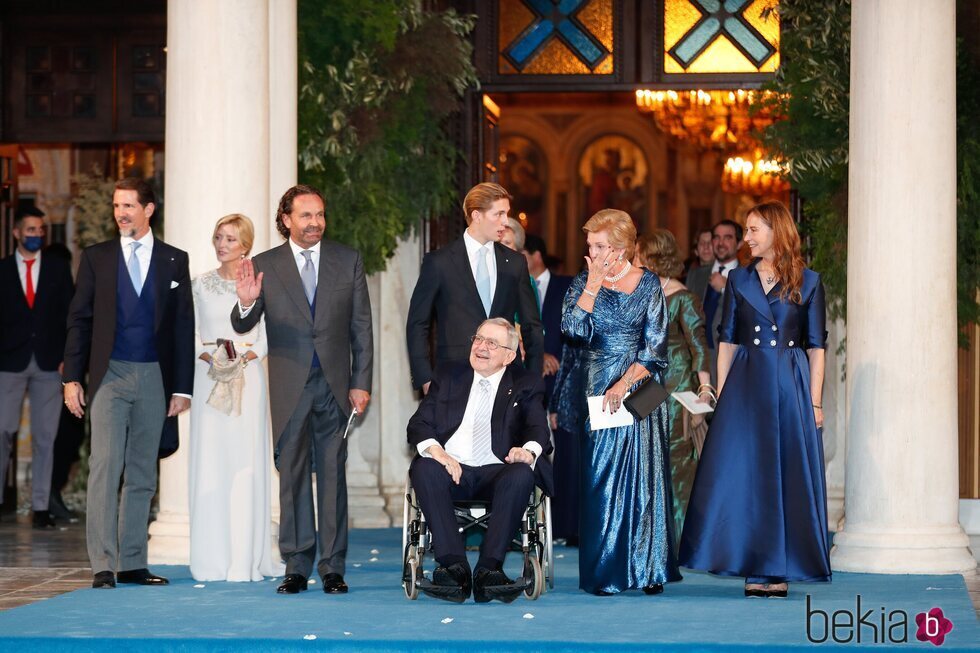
(598, 269)
(248, 286)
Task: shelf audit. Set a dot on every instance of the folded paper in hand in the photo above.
(599, 419)
(350, 420)
(690, 402)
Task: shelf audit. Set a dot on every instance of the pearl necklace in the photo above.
(614, 279)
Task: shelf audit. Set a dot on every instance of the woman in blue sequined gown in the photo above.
(758, 507)
(618, 316)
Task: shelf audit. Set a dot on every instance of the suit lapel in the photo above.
(754, 295)
(326, 278)
(461, 262)
(288, 273)
(502, 256)
(459, 396)
(161, 266)
(109, 264)
(501, 404)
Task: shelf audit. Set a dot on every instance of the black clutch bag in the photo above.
(645, 399)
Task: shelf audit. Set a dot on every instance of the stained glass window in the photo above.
(555, 37)
(720, 36)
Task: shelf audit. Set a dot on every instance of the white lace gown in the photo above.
(230, 462)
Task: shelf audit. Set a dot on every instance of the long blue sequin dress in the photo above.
(626, 534)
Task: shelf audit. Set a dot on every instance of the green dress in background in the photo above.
(687, 353)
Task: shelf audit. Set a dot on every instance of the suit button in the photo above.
(758, 328)
(790, 343)
(774, 328)
(772, 342)
(756, 341)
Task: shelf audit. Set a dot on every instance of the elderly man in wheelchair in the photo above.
(481, 433)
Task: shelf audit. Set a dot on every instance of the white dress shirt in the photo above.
(143, 254)
(724, 268)
(460, 444)
(473, 251)
(22, 270)
(300, 262)
(542, 280)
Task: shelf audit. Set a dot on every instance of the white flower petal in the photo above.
(528, 615)
(447, 620)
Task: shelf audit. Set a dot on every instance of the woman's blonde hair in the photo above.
(658, 253)
(787, 261)
(619, 225)
(246, 231)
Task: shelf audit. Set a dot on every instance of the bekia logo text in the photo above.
(874, 625)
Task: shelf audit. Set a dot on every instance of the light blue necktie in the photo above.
(309, 276)
(134, 268)
(483, 278)
(482, 446)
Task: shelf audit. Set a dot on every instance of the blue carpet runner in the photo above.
(700, 613)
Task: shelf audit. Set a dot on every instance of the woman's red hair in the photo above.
(787, 261)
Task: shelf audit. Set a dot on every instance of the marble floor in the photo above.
(36, 565)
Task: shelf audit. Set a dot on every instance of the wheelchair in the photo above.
(533, 540)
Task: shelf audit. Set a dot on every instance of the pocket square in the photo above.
(173, 284)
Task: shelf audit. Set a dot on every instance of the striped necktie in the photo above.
(482, 445)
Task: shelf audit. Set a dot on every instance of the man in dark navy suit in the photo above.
(131, 324)
(481, 433)
(35, 295)
(551, 289)
(468, 281)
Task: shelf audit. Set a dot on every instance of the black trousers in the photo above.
(507, 486)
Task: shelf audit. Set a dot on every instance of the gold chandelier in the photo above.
(707, 119)
(753, 175)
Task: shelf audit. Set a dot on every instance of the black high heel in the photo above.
(656, 588)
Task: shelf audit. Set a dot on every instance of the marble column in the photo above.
(398, 400)
(834, 425)
(901, 477)
(220, 160)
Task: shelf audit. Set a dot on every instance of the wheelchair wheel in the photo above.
(414, 575)
(548, 554)
(534, 577)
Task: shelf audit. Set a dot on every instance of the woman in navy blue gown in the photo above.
(618, 315)
(758, 508)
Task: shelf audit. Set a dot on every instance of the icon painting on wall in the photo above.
(613, 175)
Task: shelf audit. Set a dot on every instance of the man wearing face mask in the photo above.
(35, 296)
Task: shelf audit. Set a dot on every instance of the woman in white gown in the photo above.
(230, 462)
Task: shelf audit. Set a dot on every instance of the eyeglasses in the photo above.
(491, 344)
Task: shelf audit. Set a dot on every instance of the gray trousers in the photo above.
(313, 435)
(44, 390)
(127, 412)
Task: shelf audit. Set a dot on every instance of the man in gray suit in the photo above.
(318, 323)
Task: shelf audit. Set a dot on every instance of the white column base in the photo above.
(835, 509)
(394, 503)
(365, 505)
(170, 539)
(941, 551)
(970, 521)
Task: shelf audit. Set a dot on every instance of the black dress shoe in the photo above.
(334, 584)
(452, 583)
(140, 577)
(42, 519)
(292, 584)
(656, 588)
(488, 585)
(58, 509)
(104, 580)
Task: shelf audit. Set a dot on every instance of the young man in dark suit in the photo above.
(131, 324)
(468, 281)
(480, 432)
(35, 295)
